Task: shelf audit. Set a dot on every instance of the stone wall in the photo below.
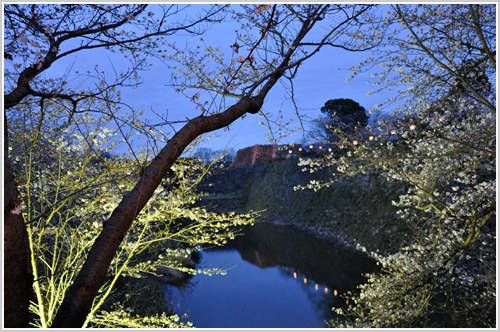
(264, 154)
(254, 155)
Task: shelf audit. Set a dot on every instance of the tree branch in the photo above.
(80, 296)
(477, 27)
(444, 66)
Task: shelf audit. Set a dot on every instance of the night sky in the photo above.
(319, 79)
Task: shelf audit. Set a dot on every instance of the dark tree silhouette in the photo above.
(345, 114)
(347, 110)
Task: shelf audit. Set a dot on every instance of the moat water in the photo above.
(277, 277)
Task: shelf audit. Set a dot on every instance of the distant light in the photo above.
(320, 147)
(326, 290)
(412, 127)
(310, 146)
(355, 142)
(295, 275)
(316, 287)
(290, 151)
(362, 314)
(347, 301)
(341, 146)
(393, 132)
(305, 280)
(335, 292)
(330, 149)
(440, 119)
(300, 149)
(370, 138)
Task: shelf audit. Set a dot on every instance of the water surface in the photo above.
(277, 277)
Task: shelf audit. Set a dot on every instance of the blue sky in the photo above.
(319, 79)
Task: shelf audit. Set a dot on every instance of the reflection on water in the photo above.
(278, 277)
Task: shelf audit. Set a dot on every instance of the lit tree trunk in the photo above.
(80, 296)
(17, 275)
(78, 300)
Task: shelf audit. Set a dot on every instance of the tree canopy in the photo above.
(340, 113)
(441, 140)
(270, 45)
(440, 60)
(346, 110)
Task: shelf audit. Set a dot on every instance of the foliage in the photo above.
(123, 319)
(442, 141)
(343, 113)
(71, 190)
(269, 46)
(346, 109)
(208, 155)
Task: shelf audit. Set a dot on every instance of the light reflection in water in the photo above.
(272, 283)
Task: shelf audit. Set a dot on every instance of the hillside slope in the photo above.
(356, 209)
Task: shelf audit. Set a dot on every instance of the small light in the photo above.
(310, 146)
(341, 146)
(320, 147)
(330, 149)
(316, 287)
(335, 292)
(370, 138)
(295, 275)
(412, 127)
(300, 149)
(355, 142)
(326, 290)
(362, 314)
(305, 280)
(347, 302)
(393, 132)
(290, 151)
(440, 119)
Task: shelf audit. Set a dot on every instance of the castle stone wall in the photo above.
(254, 155)
(264, 154)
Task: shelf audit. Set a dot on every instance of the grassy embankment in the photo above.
(356, 210)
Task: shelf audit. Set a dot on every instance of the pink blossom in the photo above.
(17, 210)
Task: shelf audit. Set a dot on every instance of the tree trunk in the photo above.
(80, 296)
(78, 300)
(17, 273)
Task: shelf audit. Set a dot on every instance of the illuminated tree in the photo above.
(36, 37)
(271, 44)
(67, 195)
(440, 61)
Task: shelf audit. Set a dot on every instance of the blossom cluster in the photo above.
(442, 142)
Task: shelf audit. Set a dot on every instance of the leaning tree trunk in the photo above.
(78, 300)
(80, 296)
(17, 275)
